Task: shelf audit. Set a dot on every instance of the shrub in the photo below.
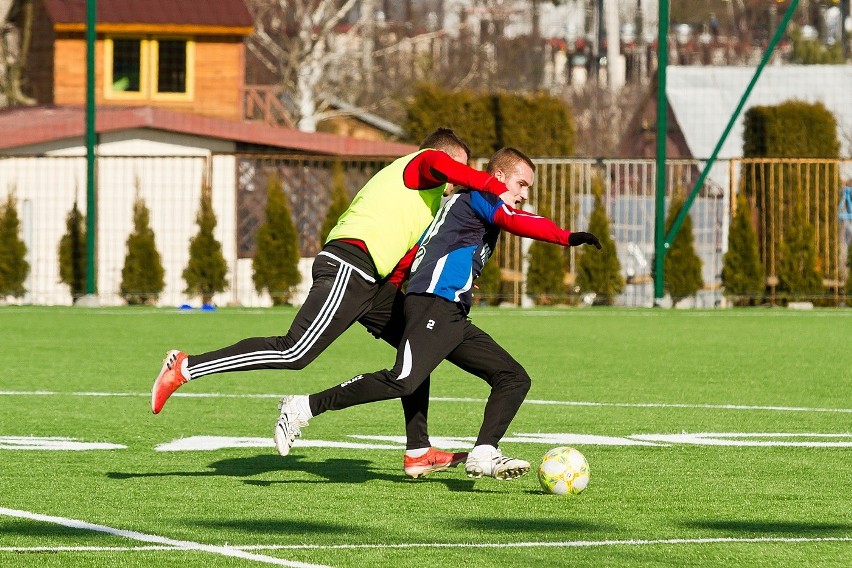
(793, 129)
(470, 115)
(13, 251)
(539, 125)
(489, 283)
(545, 271)
(682, 266)
(797, 273)
(742, 272)
(72, 253)
(339, 201)
(807, 51)
(276, 259)
(598, 271)
(142, 276)
(205, 273)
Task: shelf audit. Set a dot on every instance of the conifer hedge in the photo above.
(794, 129)
(546, 270)
(599, 271)
(488, 285)
(682, 265)
(798, 277)
(276, 259)
(538, 125)
(742, 271)
(339, 200)
(206, 272)
(469, 114)
(142, 276)
(72, 253)
(14, 267)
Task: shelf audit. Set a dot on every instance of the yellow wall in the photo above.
(218, 76)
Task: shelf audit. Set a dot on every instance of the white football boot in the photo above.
(489, 461)
(289, 425)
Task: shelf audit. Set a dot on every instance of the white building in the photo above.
(161, 155)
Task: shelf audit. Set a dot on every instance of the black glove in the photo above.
(580, 238)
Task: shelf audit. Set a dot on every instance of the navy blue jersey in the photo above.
(462, 237)
(455, 247)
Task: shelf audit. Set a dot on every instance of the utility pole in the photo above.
(91, 298)
(368, 42)
(614, 60)
(642, 55)
(599, 32)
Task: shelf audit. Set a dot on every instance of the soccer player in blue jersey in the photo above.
(449, 258)
(356, 277)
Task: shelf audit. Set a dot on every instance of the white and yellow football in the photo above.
(563, 471)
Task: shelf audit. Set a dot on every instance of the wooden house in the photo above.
(186, 56)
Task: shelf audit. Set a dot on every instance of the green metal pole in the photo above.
(662, 130)
(91, 202)
(699, 183)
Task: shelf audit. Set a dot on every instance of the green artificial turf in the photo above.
(621, 375)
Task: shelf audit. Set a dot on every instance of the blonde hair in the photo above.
(506, 158)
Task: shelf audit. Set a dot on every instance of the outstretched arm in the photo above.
(432, 168)
(536, 227)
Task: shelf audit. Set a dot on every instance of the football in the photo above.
(563, 471)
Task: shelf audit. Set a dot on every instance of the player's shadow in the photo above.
(548, 526)
(30, 528)
(335, 470)
(257, 527)
(764, 527)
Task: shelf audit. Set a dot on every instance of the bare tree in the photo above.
(602, 116)
(14, 46)
(304, 45)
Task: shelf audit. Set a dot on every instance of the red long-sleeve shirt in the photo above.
(431, 168)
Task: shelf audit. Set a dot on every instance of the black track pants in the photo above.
(436, 329)
(344, 285)
(345, 289)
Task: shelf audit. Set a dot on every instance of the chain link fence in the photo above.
(47, 187)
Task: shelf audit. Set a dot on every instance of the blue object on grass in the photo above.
(208, 308)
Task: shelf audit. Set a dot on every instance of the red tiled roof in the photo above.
(24, 126)
(190, 12)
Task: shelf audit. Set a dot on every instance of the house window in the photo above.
(126, 65)
(171, 66)
(158, 68)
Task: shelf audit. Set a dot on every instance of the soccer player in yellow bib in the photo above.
(356, 277)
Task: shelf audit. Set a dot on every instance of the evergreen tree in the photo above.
(142, 277)
(339, 201)
(682, 265)
(205, 273)
(849, 270)
(72, 253)
(13, 251)
(742, 272)
(546, 273)
(807, 51)
(276, 259)
(546, 270)
(489, 283)
(599, 271)
(797, 273)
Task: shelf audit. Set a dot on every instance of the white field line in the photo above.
(462, 399)
(176, 544)
(557, 544)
